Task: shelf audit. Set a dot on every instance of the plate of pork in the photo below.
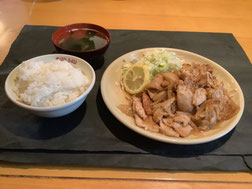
(172, 95)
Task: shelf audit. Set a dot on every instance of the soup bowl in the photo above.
(87, 41)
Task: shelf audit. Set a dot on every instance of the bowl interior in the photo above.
(75, 61)
(75, 37)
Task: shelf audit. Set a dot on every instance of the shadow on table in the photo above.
(170, 150)
(40, 128)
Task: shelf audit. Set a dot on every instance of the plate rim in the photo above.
(163, 138)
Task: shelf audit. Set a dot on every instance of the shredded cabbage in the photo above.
(157, 61)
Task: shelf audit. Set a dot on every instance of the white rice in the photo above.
(49, 84)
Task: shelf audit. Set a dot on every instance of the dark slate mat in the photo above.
(92, 136)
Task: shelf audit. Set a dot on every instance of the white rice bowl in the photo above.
(50, 85)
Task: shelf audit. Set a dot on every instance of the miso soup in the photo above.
(83, 40)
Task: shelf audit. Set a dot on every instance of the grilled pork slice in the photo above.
(184, 98)
(156, 83)
(199, 96)
(159, 97)
(184, 131)
(148, 124)
(147, 104)
(171, 77)
(208, 113)
(152, 92)
(182, 118)
(137, 107)
(158, 114)
(166, 130)
(198, 73)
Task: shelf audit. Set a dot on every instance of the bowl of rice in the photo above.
(51, 85)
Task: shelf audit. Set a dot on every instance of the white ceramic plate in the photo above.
(113, 96)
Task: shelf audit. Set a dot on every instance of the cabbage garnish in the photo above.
(157, 61)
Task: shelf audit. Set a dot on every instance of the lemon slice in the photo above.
(136, 78)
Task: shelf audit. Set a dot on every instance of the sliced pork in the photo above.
(168, 131)
(199, 96)
(184, 98)
(147, 104)
(175, 103)
(156, 83)
(148, 124)
(137, 107)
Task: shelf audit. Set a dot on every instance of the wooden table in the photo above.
(231, 16)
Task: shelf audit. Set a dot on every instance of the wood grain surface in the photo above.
(227, 16)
